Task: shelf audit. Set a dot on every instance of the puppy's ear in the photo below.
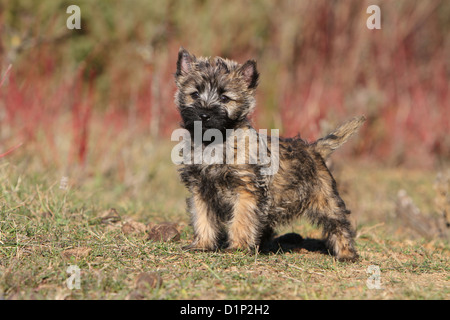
(249, 73)
(184, 63)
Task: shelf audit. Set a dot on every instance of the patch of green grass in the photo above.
(39, 223)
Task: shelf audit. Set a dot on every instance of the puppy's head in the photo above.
(218, 92)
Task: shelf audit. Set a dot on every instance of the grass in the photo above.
(39, 223)
(72, 107)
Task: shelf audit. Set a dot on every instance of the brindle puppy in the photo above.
(238, 205)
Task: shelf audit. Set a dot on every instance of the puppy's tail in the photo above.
(325, 146)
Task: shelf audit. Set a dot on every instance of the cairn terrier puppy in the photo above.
(235, 205)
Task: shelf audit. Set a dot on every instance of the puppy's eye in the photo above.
(195, 95)
(224, 99)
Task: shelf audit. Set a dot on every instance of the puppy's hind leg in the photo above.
(332, 216)
(339, 236)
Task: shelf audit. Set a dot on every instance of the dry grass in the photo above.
(44, 229)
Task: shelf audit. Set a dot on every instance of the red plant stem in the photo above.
(11, 150)
(5, 75)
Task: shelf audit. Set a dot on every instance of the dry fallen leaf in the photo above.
(164, 232)
(110, 216)
(77, 253)
(144, 282)
(147, 280)
(132, 227)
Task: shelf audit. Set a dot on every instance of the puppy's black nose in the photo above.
(204, 117)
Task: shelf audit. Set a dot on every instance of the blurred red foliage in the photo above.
(316, 71)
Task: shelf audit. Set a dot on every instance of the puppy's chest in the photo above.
(222, 177)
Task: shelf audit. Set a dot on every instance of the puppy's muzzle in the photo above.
(205, 117)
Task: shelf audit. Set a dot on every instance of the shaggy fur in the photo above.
(235, 206)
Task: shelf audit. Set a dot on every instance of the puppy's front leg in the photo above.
(206, 226)
(245, 224)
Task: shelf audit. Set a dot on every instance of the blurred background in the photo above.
(100, 100)
(319, 65)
